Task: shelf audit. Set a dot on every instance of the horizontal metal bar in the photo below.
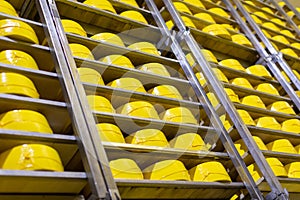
(36, 51)
(137, 57)
(119, 96)
(159, 124)
(181, 184)
(201, 154)
(13, 181)
(93, 155)
(151, 189)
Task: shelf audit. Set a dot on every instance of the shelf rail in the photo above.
(93, 155)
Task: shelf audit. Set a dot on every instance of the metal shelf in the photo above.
(278, 25)
(37, 27)
(274, 33)
(263, 4)
(147, 155)
(55, 112)
(253, 79)
(112, 72)
(92, 17)
(41, 80)
(36, 51)
(291, 184)
(35, 182)
(218, 18)
(150, 189)
(94, 21)
(265, 97)
(65, 145)
(242, 92)
(137, 57)
(129, 124)
(120, 7)
(219, 45)
(281, 45)
(224, 46)
(259, 112)
(293, 62)
(120, 97)
(40, 196)
(266, 13)
(206, 3)
(200, 23)
(269, 135)
(210, 4)
(285, 158)
(296, 20)
(118, 72)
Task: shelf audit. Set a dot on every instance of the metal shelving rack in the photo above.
(273, 61)
(283, 62)
(272, 54)
(59, 104)
(294, 21)
(86, 158)
(92, 20)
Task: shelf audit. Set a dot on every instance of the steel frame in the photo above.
(274, 61)
(271, 56)
(277, 192)
(289, 5)
(284, 14)
(94, 158)
(215, 86)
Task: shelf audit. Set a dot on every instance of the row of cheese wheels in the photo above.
(290, 48)
(170, 170)
(220, 29)
(42, 157)
(279, 145)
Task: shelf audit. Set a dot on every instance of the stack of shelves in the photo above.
(145, 151)
(288, 9)
(283, 37)
(157, 136)
(35, 122)
(269, 133)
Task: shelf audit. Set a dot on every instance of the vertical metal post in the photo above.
(273, 58)
(200, 93)
(93, 154)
